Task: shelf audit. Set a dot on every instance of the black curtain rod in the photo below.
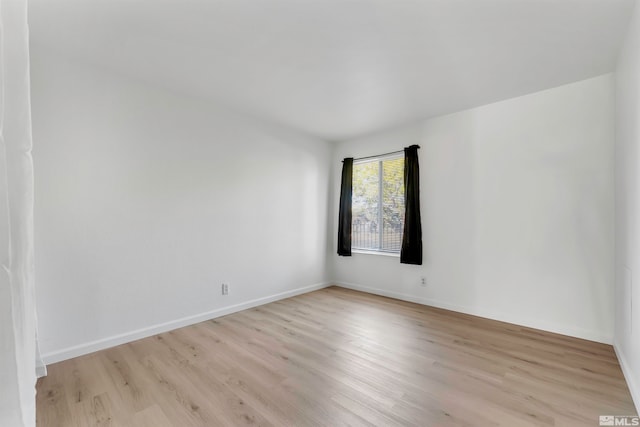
(380, 155)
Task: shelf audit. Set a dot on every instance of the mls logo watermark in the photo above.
(619, 420)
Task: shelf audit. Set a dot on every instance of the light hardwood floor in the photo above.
(338, 357)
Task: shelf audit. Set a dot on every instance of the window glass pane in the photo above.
(378, 205)
(392, 204)
(364, 205)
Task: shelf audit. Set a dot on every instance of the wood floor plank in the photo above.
(153, 416)
(339, 357)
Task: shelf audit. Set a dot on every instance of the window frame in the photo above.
(379, 160)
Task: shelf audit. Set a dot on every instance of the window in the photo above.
(378, 204)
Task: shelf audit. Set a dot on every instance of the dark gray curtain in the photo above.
(344, 215)
(411, 252)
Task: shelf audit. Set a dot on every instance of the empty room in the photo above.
(319, 213)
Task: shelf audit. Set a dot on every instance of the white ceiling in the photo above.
(341, 68)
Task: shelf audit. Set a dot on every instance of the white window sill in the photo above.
(365, 252)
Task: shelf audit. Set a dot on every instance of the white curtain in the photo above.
(18, 347)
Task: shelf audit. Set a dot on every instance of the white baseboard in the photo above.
(101, 344)
(633, 385)
(502, 317)
(41, 369)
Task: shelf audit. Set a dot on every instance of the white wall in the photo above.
(627, 295)
(517, 211)
(147, 201)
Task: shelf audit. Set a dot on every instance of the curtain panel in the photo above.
(411, 252)
(18, 348)
(344, 214)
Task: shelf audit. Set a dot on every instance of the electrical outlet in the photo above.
(423, 281)
(225, 289)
